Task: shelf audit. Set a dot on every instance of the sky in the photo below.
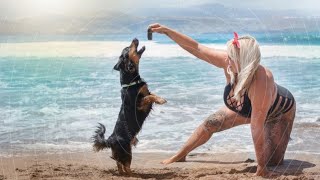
(25, 8)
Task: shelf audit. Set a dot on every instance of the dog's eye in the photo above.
(127, 56)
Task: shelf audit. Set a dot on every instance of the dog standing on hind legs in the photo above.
(136, 105)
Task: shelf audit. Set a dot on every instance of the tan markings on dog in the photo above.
(144, 90)
(134, 141)
(120, 168)
(158, 99)
(127, 169)
(145, 103)
(148, 100)
(133, 54)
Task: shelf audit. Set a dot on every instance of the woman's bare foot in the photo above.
(182, 159)
(173, 159)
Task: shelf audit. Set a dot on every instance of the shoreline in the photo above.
(97, 49)
(302, 142)
(90, 165)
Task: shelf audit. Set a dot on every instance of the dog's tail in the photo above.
(99, 142)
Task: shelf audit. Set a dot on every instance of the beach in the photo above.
(53, 96)
(58, 82)
(90, 165)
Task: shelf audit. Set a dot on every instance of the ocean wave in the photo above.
(104, 49)
(3, 84)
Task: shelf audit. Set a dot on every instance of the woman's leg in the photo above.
(221, 120)
(279, 135)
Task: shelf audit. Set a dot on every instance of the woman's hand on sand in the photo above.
(156, 27)
(264, 172)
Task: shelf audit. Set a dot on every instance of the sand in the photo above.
(90, 165)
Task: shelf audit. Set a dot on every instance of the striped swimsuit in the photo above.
(283, 103)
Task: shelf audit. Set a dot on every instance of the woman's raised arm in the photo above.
(212, 56)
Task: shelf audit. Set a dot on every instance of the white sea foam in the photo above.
(154, 49)
(3, 84)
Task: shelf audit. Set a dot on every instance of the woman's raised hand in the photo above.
(156, 27)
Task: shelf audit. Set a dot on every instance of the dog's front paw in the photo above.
(162, 101)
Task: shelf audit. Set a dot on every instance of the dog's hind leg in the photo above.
(127, 168)
(127, 163)
(120, 168)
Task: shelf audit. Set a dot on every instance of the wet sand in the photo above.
(91, 165)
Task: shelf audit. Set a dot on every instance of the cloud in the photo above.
(22, 8)
(274, 4)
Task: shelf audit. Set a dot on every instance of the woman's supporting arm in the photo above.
(259, 140)
(260, 94)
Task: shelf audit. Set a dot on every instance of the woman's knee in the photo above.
(223, 119)
(277, 138)
(215, 122)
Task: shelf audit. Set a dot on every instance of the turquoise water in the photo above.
(53, 104)
(282, 38)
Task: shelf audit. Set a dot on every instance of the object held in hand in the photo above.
(149, 34)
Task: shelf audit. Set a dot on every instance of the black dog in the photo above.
(136, 104)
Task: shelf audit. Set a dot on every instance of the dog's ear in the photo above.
(118, 65)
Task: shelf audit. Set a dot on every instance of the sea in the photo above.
(54, 90)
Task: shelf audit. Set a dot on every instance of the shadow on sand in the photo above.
(289, 167)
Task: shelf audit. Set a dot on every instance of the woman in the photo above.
(251, 96)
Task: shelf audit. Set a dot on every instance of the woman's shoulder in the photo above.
(262, 89)
(263, 75)
(263, 79)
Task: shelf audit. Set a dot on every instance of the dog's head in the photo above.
(129, 58)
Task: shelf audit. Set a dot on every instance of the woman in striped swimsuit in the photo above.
(251, 97)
